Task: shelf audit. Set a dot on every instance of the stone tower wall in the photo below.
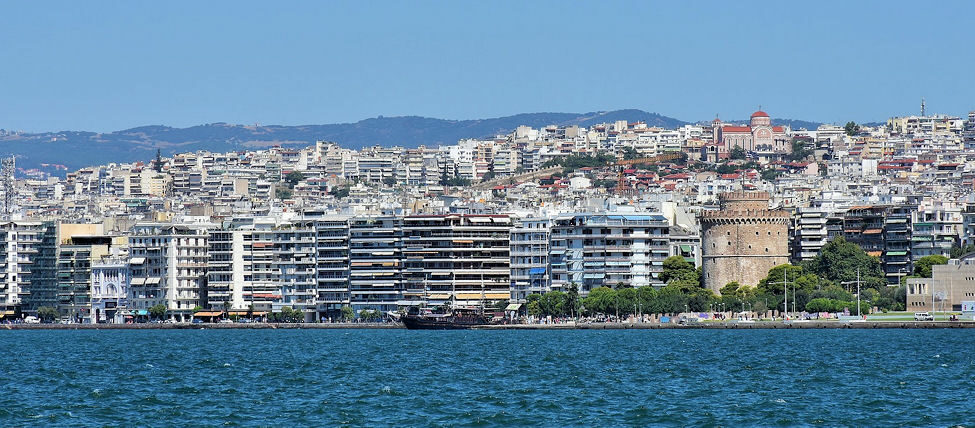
(744, 201)
(743, 240)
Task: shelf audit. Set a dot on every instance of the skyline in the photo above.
(341, 62)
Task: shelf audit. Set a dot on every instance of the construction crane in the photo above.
(622, 164)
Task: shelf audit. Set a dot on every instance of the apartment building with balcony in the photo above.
(461, 259)
(529, 251)
(331, 265)
(595, 250)
(294, 253)
(936, 228)
(376, 276)
(241, 267)
(809, 233)
(169, 267)
(28, 253)
(76, 256)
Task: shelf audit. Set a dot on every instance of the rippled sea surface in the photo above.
(488, 378)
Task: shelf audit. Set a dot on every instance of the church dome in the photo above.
(760, 114)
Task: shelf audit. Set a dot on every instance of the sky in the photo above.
(105, 66)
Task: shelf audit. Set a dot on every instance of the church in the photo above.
(759, 139)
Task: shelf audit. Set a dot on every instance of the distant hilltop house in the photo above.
(759, 138)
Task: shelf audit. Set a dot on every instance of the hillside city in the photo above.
(707, 214)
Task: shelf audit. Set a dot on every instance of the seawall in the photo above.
(581, 326)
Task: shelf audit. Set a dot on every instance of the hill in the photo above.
(77, 149)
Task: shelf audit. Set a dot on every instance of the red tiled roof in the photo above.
(737, 129)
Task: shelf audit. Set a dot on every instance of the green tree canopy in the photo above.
(737, 152)
(294, 177)
(851, 128)
(157, 311)
(347, 313)
(839, 260)
(922, 267)
(675, 268)
(553, 303)
(799, 279)
(47, 313)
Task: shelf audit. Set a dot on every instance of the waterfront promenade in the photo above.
(726, 325)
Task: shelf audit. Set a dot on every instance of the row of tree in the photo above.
(825, 284)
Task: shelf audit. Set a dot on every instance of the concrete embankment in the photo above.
(580, 326)
(190, 326)
(736, 326)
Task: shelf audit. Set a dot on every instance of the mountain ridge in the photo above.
(77, 149)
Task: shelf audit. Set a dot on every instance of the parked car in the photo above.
(923, 316)
(30, 319)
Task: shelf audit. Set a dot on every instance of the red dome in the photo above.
(760, 114)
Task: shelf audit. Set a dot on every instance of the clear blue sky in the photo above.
(103, 66)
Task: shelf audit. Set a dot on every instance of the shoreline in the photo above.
(761, 325)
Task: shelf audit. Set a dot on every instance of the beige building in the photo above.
(948, 286)
(744, 240)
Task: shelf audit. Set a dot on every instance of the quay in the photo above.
(566, 326)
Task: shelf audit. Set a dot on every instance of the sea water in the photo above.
(488, 378)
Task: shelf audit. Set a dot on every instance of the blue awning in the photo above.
(537, 271)
(142, 312)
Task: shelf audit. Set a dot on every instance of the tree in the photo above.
(572, 299)
(769, 174)
(799, 150)
(158, 163)
(389, 181)
(797, 278)
(347, 313)
(47, 313)
(629, 153)
(839, 261)
(456, 181)
(675, 268)
(738, 152)
(282, 193)
(339, 192)
(957, 252)
(601, 300)
(922, 267)
(157, 311)
(851, 128)
(553, 303)
(293, 178)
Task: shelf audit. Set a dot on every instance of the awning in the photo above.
(536, 271)
(142, 312)
(137, 281)
(557, 252)
(686, 248)
(247, 314)
(897, 253)
(594, 276)
(207, 314)
(6, 313)
(152, 281)
(513, 307)
(438, 296)
(479, 219)
(137, 261)
(874, 253)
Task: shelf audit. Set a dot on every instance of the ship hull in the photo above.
(444, 323)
